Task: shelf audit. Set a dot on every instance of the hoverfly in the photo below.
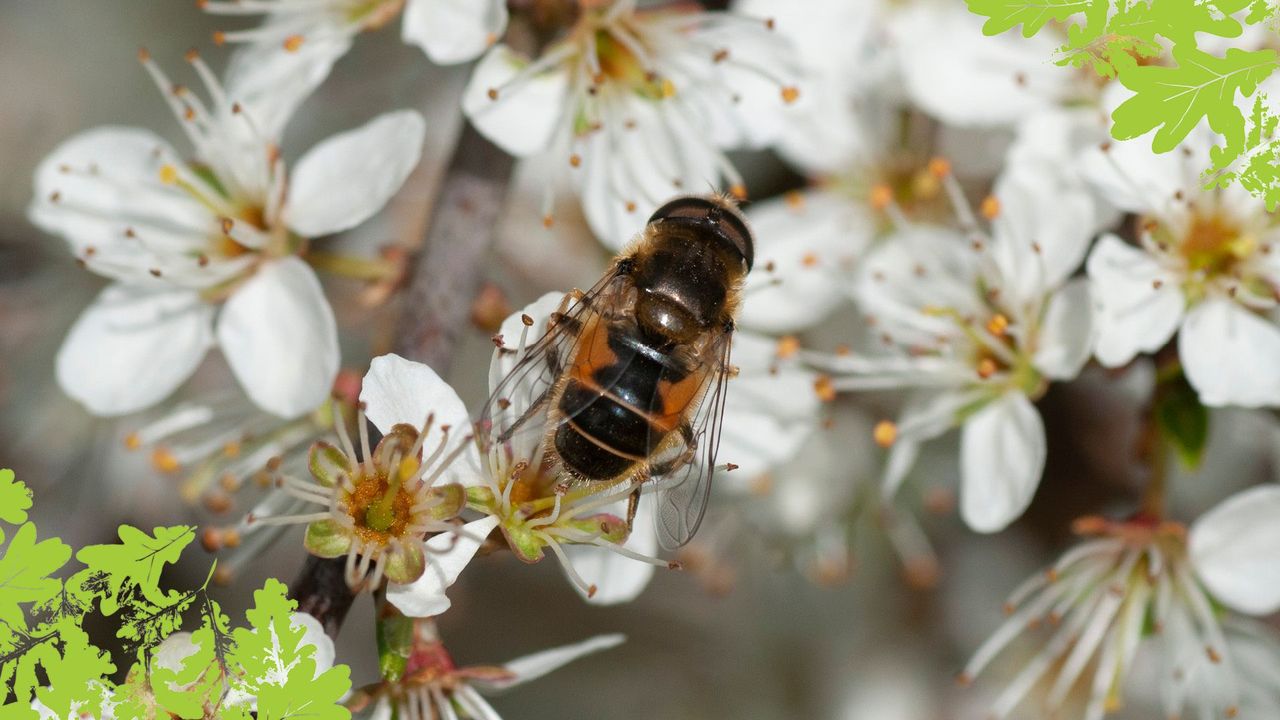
(630, 375)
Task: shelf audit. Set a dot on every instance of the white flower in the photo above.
(1146, 583)
(391, 509)
(638, 105)
(205, 251)
(447, 31)
(435, 688)
(977, 326)
(1204, 268)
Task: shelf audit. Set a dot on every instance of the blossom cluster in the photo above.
(961, 238)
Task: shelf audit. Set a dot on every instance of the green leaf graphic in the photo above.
(15, 500)
(279, 667)
(75, 681)
(1032, 15)
(24, 573)
(137, 560)
(1173, 100)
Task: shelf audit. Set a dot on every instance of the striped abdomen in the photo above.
(622, 398)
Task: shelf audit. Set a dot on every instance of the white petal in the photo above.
(1066, 332)
(618, 579)
(346, 179)
(133, 346)
(1002, 451)
(809, 245)
(1044, 227)
(956, 73)
(532, 667)
(453, 31)
(1137, 303)
(513, 328)
(102, 182)
(278, 333)
(396, 390)
(447, 555)
(1235, 549)
(1230, 355)
(1134, 178)
(270, 82)
(315, 636)
(769, 398)
(522, 118)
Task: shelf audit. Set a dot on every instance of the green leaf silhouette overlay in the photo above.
(1174, 91)
(1032, 15)
(266, 670)
(15, 500)
(136, 562)
(1173, 100)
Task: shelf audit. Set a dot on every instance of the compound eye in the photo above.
(689, 206)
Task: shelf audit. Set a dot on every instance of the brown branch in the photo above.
(445, 276)
(443, 279)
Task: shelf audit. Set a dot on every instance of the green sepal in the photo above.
(481, 499)
(328, 463)
(327, 539)
(451, 499)
(605, 526)
(406, 565)
(1182, 420)
(395, 641)
(526, 546)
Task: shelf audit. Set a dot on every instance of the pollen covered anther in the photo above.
(885, 433)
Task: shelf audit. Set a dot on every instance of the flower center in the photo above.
(1214, 244)
(380, 507)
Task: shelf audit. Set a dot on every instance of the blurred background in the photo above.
(749, 633)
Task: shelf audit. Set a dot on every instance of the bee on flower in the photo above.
(210, 249)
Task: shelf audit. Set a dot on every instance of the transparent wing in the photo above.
(517, 409)
(683, 491)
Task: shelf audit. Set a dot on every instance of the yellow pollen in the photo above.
(231, 449)
(409, 468)
(788, 346)
(493, 93)
(986, 368)
(547, 221)
(668, 88)
(998, 325)
(790, 94)
(939, 167)
(825, 389)
(738, 191)
(881, 197)
(631, 207)
(164, 461)
(885, 433)
(132, 441)
(990, 207)
(219, 38)
(794, 200)
(575, 160)
(168, 174)
(292, 43)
